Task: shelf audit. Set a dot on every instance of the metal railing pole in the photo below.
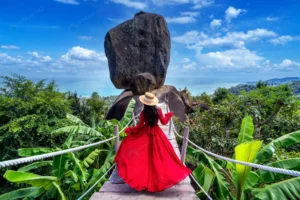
(184, 144)
(170, 126)
(117, 141)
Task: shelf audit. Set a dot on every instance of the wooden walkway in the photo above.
(181, 191)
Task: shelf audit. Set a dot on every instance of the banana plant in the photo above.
(260, 183)
(127, 115)
(246, 152)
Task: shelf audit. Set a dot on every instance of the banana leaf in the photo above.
(79, 169)
(78, 130)
(205, 177)
(221, 189)
(31, 192)
(245, 152)
(34, 151)
(60, 192)
(31, 179)
(269, 177)
(59, 165)
(247, 129)
(104, 167)
(70, 173)
(284, 190)
(90, 159)
(128, 113)
(76, 120)
(287, 140)
(35, 165)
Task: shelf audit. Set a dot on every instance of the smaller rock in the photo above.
(143, 82)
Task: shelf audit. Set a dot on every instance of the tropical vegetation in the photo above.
(260, 126)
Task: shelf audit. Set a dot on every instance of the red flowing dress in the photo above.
(146, 159)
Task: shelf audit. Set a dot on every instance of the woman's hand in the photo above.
(127, 130)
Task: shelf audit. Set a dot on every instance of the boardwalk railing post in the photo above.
(184, 144)
(117, 141)
(170, 126)
(115, 178)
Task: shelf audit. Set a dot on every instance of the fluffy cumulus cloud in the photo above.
(199, 40)
(82, 57)
(235, 58)
(284, 39)
(187, 64)
(6, 60)
(37, 58)
(286, 63)
(236, 54)
(183, 18)
(73, 2)
(75, 58)
(232, 13)
(131, 4)
(196, 4)
(9, 47)
(215, 23)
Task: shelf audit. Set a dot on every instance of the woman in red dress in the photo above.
(146, 159)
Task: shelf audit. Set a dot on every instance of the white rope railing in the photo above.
(93, 186)
(57, 153)
(258, 166)
(200, 187)
(48, 155)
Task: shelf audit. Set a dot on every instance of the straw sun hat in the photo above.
(149, 99)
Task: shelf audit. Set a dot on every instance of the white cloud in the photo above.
(79, 55)
(199, 40)
(184, 18)
(197, 4)
(286, 63)
(37, 58)
(73, 2)
(187, 64)
(190, 37)
(85, 37)
(8, 60)
(235, 58)
(9, 47)
(215, 23)
(132, 4)
(284, 39)
(202, 3)
(272, 18)
(232, 13)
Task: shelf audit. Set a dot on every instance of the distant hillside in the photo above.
(276, 81)
(294, 83)
(109, 100)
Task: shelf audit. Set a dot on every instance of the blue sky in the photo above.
(214, 43)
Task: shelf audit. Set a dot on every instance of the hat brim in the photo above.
(153, 103)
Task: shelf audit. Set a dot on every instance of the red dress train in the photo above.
(146, 159)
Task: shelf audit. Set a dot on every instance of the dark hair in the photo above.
(151, 114)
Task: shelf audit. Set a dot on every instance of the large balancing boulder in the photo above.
(136, 46)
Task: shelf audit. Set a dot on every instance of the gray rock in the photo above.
(142, 83)
(136, 46)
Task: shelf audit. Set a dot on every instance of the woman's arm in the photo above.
(134, 129)
(164, 119)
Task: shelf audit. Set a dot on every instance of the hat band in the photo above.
(148, 100)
